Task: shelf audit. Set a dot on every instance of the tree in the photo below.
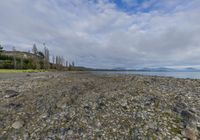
(60, 62)
(69, 67)
(53, 59)
(53, 62)
(46, 57)
(14, 58)
(41, 54)
(35, 58)
(73, 64)
(57, 62)
(1, 48)
(21, 63)
(66, 63)
(34, 49)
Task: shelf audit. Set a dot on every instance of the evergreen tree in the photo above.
(34, 49)
(21, 63)
(1, 48)
(41, 54)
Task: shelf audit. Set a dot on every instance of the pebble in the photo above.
(10, 93)
(18, 124)
(85, 106)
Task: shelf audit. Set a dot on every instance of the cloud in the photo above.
(131, 3)
(97, 33)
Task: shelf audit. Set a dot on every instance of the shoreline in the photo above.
(83, 105)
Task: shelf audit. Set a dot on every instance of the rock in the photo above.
(61, 105)
(85, 106)
(190, 133)
(187, 115)
(63, 102)
(70, 132)
(10, 93)
(153, 125)
(189, 119)
(87, 109)
(14, 106)
(44, 115)
(179, 106)
(176, 138)
(123, 102)
(18, 124)
(198, 125)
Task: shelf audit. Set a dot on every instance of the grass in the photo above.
(20, 71)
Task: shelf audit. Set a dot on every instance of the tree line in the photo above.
(36, 59)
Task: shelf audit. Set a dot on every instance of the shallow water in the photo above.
(191, 75)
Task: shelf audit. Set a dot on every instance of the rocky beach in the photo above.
(88, 106)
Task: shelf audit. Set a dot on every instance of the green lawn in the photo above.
(20, 71)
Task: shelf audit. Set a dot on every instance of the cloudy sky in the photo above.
(106, 33)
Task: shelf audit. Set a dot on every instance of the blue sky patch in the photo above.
(145, 6)
(133, 5)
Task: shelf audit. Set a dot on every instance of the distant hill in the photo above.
(119, 69)
(189, 69)
(159, 69)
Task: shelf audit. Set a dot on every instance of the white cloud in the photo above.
(101, 35)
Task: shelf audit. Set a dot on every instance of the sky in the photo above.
(106, 33)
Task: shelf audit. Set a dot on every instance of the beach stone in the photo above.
(61, 104)
(179, 106)
(176, 138)
(190, 133)
(28, 75)
(187, 115)
(14, 106)
(10, 93)
(44, 115)
(18, 124)
(189, 119)
(85, 106)
(70, 132)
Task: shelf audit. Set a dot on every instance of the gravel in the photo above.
(82, 105)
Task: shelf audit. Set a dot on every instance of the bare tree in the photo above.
(62, 61)
(66, 63)
(70, 66)
(53, 62)
(59, 62)
(14, 58)
(73, 64)
(53, 59)
(46, 57)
